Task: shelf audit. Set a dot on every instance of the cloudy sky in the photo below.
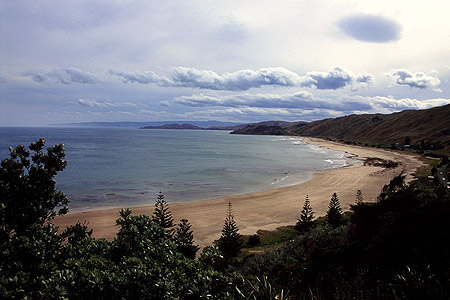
(243, 61)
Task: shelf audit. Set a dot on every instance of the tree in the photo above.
(134, 232)
(162, 214)
(334, 213)
(395, 185)
(27, 188)
(306, 221)
(184, 239)
(407, 141)
(359, 198)
(29, 244)
(230, 243)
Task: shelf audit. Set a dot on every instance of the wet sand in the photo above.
(273, 208)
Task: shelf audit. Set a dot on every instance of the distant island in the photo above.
(201, 124)
(261, 128)
(188, 126)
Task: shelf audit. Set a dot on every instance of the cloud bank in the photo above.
(253, 100)
(104, 104)
(64, 76)
(416, 80)
(370, 28)
(317, 109)
(304, 101)
(390, 104)
(338, 78)
(244, 80)
(300, 100)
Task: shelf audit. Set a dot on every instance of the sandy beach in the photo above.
(270, 209)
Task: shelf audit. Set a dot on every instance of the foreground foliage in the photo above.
(142, 262)
(397, 248)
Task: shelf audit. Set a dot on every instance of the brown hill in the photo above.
(427, 129)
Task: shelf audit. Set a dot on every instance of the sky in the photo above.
(239, 61)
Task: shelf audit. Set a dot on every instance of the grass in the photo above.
(268, 239)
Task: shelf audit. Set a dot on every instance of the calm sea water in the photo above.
(123, 167)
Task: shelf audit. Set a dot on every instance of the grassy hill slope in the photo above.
(432, 126)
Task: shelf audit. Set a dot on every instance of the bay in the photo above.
(125, 167)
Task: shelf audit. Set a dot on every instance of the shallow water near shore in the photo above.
(123, 167)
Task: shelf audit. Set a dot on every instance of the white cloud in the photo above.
(302, 100)
(243, 80)
(338, 78)
(104, 104)
(144, 77)
(240, 38)
(155, 115)
(243, 114)
(64, 76)
(303, 103)
(251, 100)
(165, 103)
(416, 80)
(389, 104)
(204, 79)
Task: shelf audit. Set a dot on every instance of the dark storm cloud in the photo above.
(64, 76)
(371, 28)
(246, 79)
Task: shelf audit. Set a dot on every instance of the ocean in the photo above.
(126, 167)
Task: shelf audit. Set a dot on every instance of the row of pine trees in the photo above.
(230, 242)
(334, 214)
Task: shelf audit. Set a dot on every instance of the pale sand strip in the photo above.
(269, 209)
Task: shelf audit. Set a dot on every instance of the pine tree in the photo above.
(184, 239)
(306, 221)
(162, 214)
(334, 214)
(230, 243)
(359, 197)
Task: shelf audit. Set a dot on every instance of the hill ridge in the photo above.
(427, 129)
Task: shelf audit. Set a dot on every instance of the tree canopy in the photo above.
(27, 186)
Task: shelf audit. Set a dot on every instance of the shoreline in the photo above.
(269, 209)
(291, 178)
